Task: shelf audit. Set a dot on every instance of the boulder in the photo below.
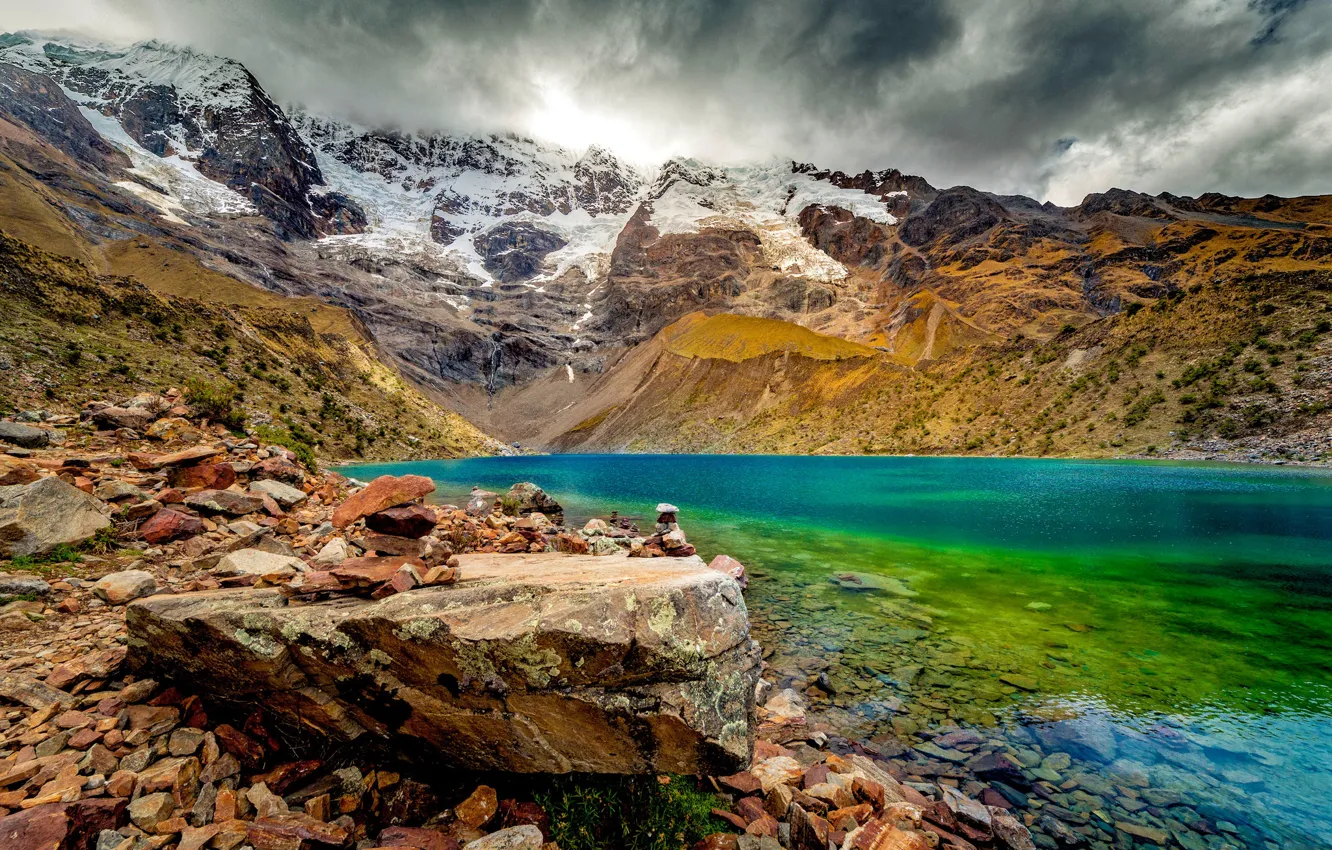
(224, 502)
(36, 518)
(529, 498)
(119, 588)
(173, 428)
(279, 469)
(22, 584)
(167, 525)
(515, 667)
(258, 563)
(24, 435)
(732, 567)
(403, 521)
(525, 837)
(384, 492)
(138, 418)
(206, 476)
(284, 494)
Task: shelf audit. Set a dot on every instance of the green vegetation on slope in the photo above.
(70, 335)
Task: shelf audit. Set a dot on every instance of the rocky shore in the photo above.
(122, 737)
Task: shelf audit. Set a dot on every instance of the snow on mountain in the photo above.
(488, 208)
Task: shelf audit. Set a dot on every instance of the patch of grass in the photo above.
(633, 813)
(218, 401)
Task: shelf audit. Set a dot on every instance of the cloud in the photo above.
(1044, 97)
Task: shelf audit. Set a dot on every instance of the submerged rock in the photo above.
(517, 667)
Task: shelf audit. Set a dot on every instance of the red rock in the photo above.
(765, 825)
(411, 521)
(246, 750)
(167, 525)
(367, 572)
(731, 818)
(749, 808)
(744, 782)
(816, 775)
(732, 567)
(69, 605)
(384, 492)
(514, 813)
(96, 665)
(284, 776)
(61, 826)
(142, 460)
(422, 839)
(287, 831)
(278, 469)
(206, 476)
(224, 502)
(718, 841)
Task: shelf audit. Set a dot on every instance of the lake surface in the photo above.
(1150, 643)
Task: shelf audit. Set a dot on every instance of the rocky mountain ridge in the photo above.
(506, 276)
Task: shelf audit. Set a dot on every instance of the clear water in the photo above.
(1169, 626)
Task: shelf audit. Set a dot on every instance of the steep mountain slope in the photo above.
(550, 295)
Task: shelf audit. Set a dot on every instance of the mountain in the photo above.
(572, 300)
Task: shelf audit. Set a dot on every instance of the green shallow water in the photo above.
(1167, 625)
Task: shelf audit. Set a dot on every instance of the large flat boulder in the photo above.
(530, 663)
(36, 518)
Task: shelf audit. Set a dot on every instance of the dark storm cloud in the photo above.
(1049, 97)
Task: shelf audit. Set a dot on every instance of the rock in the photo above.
(258, 563)
(122, 587)
(172, 428)
(732, 567)
(14, 472)
(36, 518)
(411, 521)
(525, 837)
(333, 553)
(1009, 831)
(778, 770)
(384, 492)
(278, 469)
(138, 418)
(284, 494)
(532, 499)
(603, 546)
(116, 491)
(595, 527)
(35, 695)
(184, 457)
(19, 584)
(61, 826)
(224, 502)
(25, 436)
(151, 809)
(535, 664)
(417, 837)
(667, 508)
(202, 476)
(167, 525)
(477, 810)
(1147, 833)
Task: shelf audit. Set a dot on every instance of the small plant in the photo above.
(637, 813)
(216, 401)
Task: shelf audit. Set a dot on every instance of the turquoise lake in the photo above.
(1150, 643)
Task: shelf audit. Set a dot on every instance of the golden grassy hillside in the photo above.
(727, 336)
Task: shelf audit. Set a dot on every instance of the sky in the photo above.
(1048, 98)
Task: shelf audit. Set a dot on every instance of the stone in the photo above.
(258, 563)
(122, 587)
(25, 436)
(411, 521)
(151, 809)
(1010, 832)
(172, 428)
(529, 498)
(333, 553)
(138, 418)
(184, 457)
(36, 518)
(732, 567)
(278, 469)
(14, 472)
(167, 525)
(478, 809)
(21, 584)
(95, 665)
(778, 770)
(418, 837)
(284, 494)
(536, 663)
(61, 825)
(224, 502)
(602, 546)
(1147, 833)
(525, 837)
(202, 476)
(384, 492)
(185, 741)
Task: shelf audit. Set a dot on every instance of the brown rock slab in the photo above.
(516, 666)
(411, 521)
(206, 476)
(384, 492)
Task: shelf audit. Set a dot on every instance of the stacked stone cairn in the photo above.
(669, 539)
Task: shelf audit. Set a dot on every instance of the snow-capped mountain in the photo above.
(499, 208)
